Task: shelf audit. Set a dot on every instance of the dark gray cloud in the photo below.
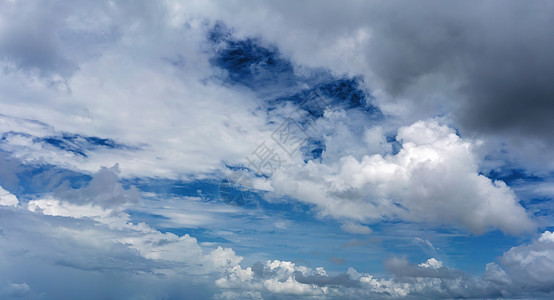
(343, 280)
(497, 55)
(54, 38)
(32, 39)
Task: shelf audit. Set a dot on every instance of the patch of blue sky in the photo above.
(165, 187)
(509, 175)
(255, 67)
(533, 191)
(263, 69)
(80, 144)
(471, 253)
(75, 143)
(345, 93)
(313, 149)
(395, 144)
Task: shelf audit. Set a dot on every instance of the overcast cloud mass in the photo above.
(276, 149)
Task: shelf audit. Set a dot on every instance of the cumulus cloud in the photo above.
(274, 276)
(288, 279)
(523, 271)
(7, 198)
(434, 179)
(531, 266)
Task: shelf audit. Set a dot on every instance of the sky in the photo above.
(276, 149)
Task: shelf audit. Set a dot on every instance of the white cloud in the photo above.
(431, 263)
(136, 78)
(7, 198)
(547, 236)
(139, 73)
(149, 243)
(525, 266)
(87, 252)
(183, 123)
(433, 179)
(531, 266)
(275, 276)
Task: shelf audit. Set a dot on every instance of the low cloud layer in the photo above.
(429, 279)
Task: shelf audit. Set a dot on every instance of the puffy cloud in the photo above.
(103, 190)
(287, 278)
(531, 267)
(7, 198)
(547, 236)
(274, 276)
(431, 263)
(434, 179)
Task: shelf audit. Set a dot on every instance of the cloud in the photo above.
(73, 242)
(531, 267)
(7, 198)
(275, 276)
(109, 242)
(287, 278)
(16, 290)
(432, 268)
(323, 280)
(433, 179)
(149, 87)
(103, 190)
(526, 270)
(355, 228)
(103, 200)
(87, 255)
(431, 263)
(469, 62)
(194, 122)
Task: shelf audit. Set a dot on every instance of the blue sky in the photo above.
(276, 150)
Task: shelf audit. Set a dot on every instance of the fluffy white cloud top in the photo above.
(7, 198)
(434, 179)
